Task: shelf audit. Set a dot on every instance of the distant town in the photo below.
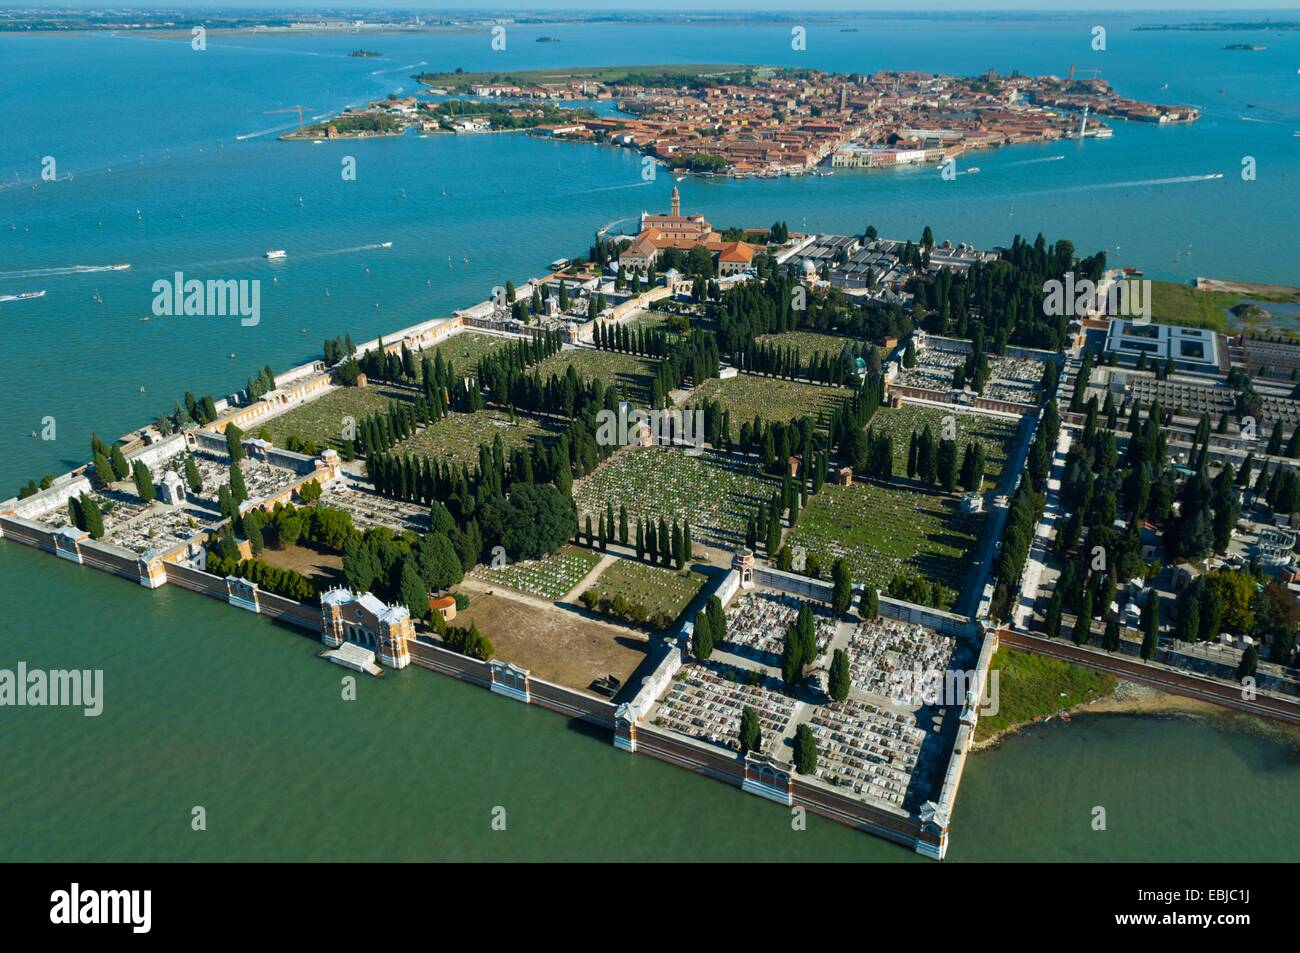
(757, 121)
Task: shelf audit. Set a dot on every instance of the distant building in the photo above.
(1190, 349)
(683, 232)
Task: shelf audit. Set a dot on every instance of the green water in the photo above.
(208, 705)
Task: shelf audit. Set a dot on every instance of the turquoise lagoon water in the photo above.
(210, 706)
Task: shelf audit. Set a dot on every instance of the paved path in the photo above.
(972, 589)
(585, 582)
(1043, 532)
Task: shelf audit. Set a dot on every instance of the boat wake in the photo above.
(1137, 183)
(398, 69)
(266, 132)
(1035, 161)
(617, 221)
(60, 272)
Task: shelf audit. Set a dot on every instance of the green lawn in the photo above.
(994, 433)
(633, 375)
(1031, 686)
(879, 530)
(714, 492)
(322, 420)
(663, 592)
(808, 343)
(1183, 305)
(549, 577)
(457, 437)
(464, 350)
(771, 398)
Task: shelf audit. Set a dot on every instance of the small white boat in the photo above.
(123, 267)
(275, 254)
(973, 170)
(23, 296)
(385, 244)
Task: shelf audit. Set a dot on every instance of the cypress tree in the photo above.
(192, 477)
(840, 680)
(143, 482)
(702, 637)
(1083, 622)
(869, 603)
(238, 490)
(751, 733)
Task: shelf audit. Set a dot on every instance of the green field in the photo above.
(548, 578)
(464, 350)
(771, 398)
(994, 433)
(877, 530)
(662, 592)
(1030, 687)
(633, 375)
(322, 420)
(1183, 305)
(715, 493)
(808, 343)
(457, 436)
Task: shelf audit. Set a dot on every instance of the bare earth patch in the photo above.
(556, 645)
(323, 569)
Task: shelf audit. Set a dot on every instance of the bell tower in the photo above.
(677, 203)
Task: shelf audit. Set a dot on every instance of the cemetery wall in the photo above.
(821, 590)
(110, 559)
(195, 580)
(157, 453)
(20, 530)
(899, 827)
(657, 681)
(450, 663)
(57, 495)
(574, 704)
(301, 614)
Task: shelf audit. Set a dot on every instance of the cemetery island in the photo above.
(774, 507)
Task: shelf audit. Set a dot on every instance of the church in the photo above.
(684, 232)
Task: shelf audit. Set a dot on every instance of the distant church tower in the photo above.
(844, 96)
(677, 203)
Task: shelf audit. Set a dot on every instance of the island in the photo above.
(818, 553)
(744, 121)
